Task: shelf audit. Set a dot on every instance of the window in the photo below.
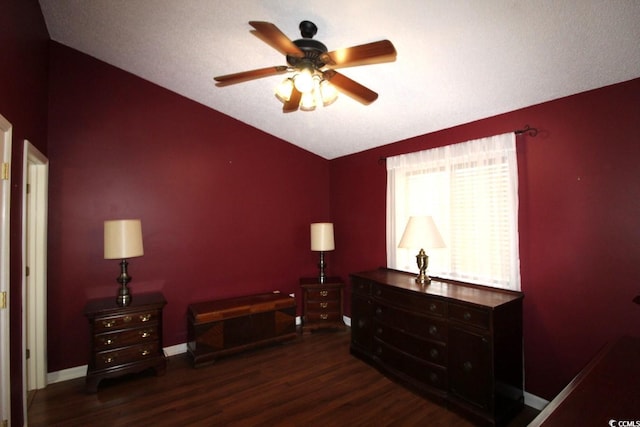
(471, 190)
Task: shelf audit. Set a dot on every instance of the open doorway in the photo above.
(34, 257)
(5, 190)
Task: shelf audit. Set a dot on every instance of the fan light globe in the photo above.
(284, 89)
(303, 81)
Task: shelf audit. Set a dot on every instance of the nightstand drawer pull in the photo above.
(467, 366)
(108, 359)
(145, 317)
(324, 292)
(324, 304)
(108, 341)
(432, 307)
(126, 319)
(467, 315)
(433, 330)
(324, 316)
(145, 352)
(145, 334)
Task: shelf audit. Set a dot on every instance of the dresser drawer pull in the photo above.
(433, 377)
(145, 317)
(379, 351)
(145, 334)
(378, 311)
(108, 359)
(432, 307)
(145, 352)
(466, 315)
(324, 304)
(127, 319)
(433, 330)
(109, 323)
(467, 366)
(108, 341)
(324, 316)
(434, 353)
(324, 293)
(379, 331)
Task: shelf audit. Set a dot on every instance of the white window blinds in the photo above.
(471, 190)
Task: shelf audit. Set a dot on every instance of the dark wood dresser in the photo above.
(222, 327)
(322, 304)
(456, 343)
(124, 339)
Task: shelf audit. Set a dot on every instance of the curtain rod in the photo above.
(527, 129)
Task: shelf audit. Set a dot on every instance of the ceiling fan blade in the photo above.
(350, 87)
(370, 53)
(272, 35)
(294, 101)
(230, 79)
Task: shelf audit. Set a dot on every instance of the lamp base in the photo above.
(124, 296)
(423, 261)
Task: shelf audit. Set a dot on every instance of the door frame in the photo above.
(5, 212)
(35, 170)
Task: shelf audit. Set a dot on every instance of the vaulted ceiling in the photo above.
(457, 61)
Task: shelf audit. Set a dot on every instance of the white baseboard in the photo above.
(534, 401)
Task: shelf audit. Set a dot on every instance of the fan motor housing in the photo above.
(313, 49)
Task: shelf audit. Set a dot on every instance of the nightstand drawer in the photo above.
(126, 355)
(125, 338)
(328, 294)
(323, 317)
(132, 320)
(323, 306)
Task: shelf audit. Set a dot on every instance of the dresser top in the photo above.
(467, 292)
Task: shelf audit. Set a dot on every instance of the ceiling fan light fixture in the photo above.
(303, 81)
(284, 89)
(308, 101)
(328, 93)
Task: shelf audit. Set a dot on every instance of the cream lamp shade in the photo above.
(322, 237)
(123, 239)
(421, 232)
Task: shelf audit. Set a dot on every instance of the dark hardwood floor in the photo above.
(312, 381)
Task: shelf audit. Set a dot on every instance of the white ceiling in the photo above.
(458, 60)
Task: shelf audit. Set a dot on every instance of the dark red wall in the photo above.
(23, 102)
(579, 222)
(225, 208)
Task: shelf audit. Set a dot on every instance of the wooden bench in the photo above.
(222, 327)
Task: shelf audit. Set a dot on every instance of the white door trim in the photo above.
(5, 211)
(34, 256)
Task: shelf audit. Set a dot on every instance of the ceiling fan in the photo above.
(315, 78)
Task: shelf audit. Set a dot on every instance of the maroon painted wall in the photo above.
(225, 208)
(23, 102)
(579, 222)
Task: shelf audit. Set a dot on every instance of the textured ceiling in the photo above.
(458, 61)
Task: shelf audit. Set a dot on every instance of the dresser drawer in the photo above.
(410, 301)
(126, 355)
(125, 338)
(132, 320)
(421, 326)
(430, 351)
(477, 317)
(360, 287)
(323, 294)
(426, 373)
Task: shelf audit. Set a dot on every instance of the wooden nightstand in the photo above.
(124, 339)
(322, 303)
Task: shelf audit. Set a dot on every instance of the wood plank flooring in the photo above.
(312, 381)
